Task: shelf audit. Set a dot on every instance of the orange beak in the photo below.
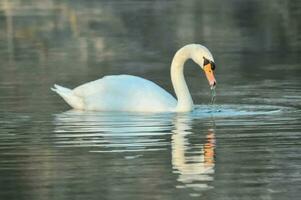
(209, 75)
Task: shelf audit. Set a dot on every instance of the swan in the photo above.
(136, 94)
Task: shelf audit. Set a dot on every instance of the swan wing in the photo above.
(73, 100)
(124, 93)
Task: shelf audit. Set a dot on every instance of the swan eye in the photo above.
(206, 61)
(212, 65)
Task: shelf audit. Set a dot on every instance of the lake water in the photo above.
(246, 146)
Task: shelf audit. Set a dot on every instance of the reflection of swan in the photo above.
(131, 132)
(195, 165)
(131, 93)
(112, 131)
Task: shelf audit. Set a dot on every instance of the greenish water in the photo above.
(244, 146)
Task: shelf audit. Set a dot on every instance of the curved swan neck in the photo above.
(185, 102)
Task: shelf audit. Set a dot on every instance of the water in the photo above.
(213, 95)
(244, 146)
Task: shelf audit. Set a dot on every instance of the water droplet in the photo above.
(213, 95)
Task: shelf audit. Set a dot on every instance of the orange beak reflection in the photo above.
(210, 75)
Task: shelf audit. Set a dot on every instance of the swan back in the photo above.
(125, 93)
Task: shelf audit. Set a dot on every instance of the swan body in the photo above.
(119, 93)
(135, 94)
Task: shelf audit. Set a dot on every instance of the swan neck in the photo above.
(185, 102)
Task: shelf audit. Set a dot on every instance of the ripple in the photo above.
(112, 131)
(121, 131)
(135, 133)
(233, 110)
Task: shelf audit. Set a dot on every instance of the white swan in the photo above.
(132, 93)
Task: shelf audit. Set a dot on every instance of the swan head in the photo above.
(202, 56)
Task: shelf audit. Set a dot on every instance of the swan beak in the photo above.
(210, 75)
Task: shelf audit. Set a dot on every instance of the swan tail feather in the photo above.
(73, 100)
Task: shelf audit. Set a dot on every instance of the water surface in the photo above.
(244, 146)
